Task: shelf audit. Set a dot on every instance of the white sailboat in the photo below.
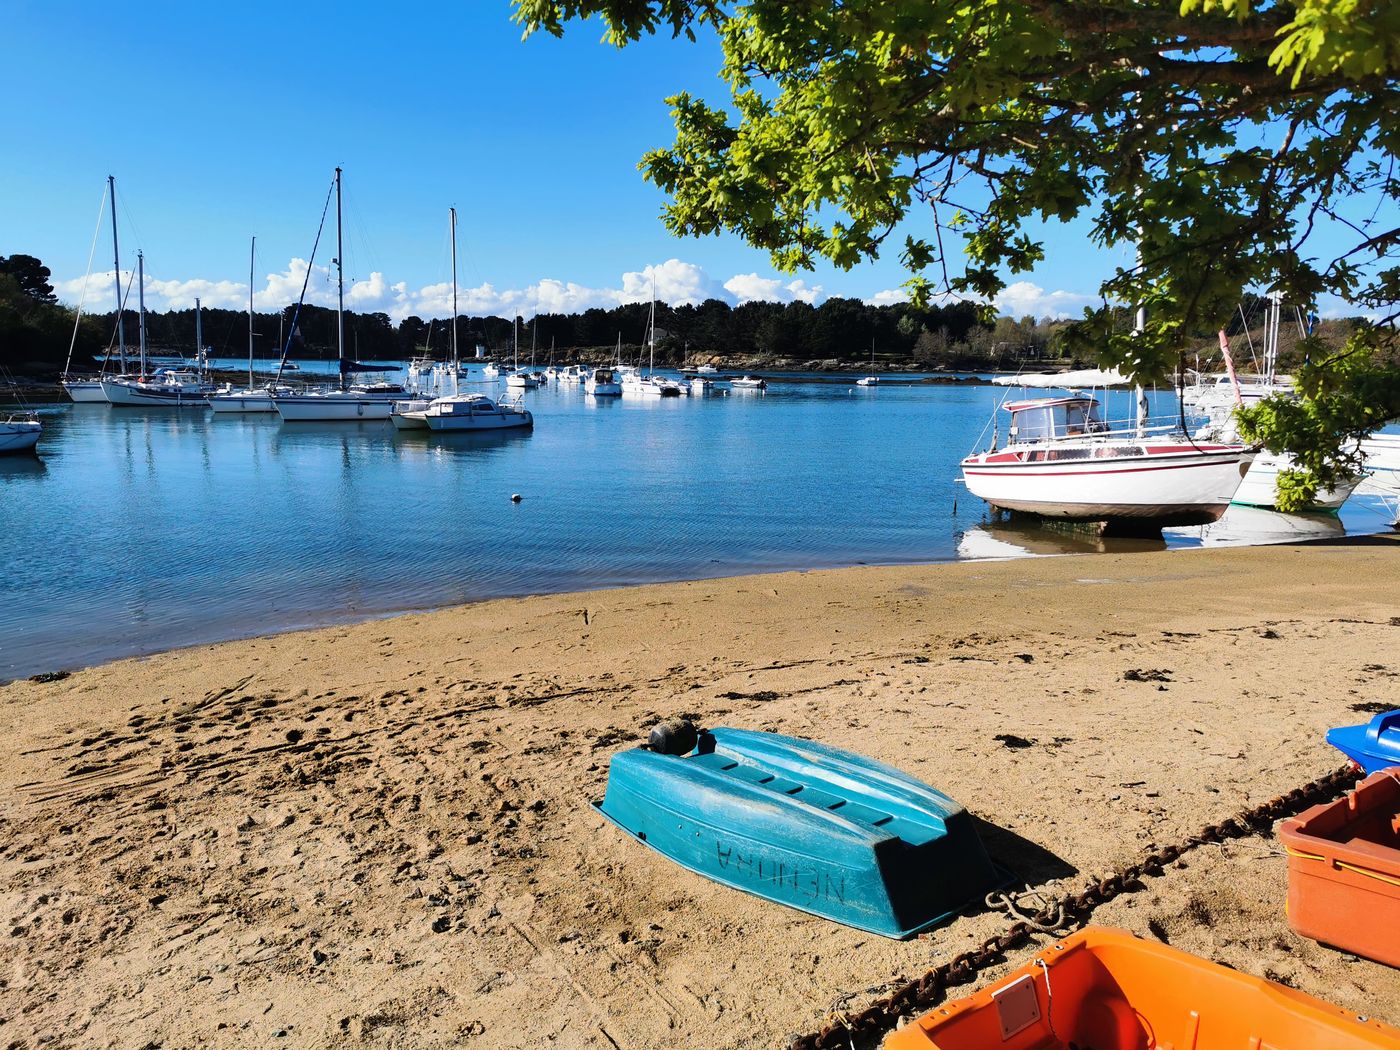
(516, 378)
(1218, 403)
(167, 387)
(458, 411)
(88, 389)
(251, 398)
(349, 402)
(649, 385)
(870, 380)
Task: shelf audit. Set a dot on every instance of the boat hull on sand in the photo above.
(810, 826)
(1107, 989)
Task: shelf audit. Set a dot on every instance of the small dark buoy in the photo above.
(675, 736)
(516, 497)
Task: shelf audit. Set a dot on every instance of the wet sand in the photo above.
(381, 834)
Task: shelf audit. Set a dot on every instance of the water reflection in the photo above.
(1239, 526)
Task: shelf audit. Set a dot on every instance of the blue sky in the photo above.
(223, 122)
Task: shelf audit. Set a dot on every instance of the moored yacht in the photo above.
(167, 387)
(349, 401)
(603, 382)
(1062, 461)
(19, 432)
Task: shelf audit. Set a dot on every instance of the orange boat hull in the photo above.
(1108, 990)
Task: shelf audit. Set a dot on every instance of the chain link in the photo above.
(1066, 913)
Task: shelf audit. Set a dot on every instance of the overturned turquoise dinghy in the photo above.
(806, 825)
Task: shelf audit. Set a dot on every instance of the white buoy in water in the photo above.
(516, 497)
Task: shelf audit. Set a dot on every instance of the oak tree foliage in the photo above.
(1217, 136)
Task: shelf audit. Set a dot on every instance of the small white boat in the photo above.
(476, 412)
(408, 415)
(749, 383)
(19, 432)
(868, 381)
(700, 386)
(603, 382)
(491, 369)
(522, 381)
(706, 370)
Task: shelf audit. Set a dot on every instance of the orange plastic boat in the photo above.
(1344, 869)
(1107, 990)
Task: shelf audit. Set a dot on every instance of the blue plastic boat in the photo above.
(806, 825)
(1373, 746)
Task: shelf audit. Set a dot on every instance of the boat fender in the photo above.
(675, 736)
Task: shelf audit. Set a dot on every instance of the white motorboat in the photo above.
(603, 382)
(1061, 461)
(464, 412)
(700, 385)
(19, 432)
(749, 383)
(522, 381)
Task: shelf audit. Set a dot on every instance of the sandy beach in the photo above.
(382, 835)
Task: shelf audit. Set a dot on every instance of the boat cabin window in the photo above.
(1057, 419)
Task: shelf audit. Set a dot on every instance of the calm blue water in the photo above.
(141, 530)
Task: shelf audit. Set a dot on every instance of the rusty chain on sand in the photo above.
(1069, 911)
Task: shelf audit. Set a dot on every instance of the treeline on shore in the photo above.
(36, 332)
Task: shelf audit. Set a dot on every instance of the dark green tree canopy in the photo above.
(31, 275)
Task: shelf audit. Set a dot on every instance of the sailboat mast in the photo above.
(651, 328)
(339, 284)
(453, 212)
(141, 299)
(252, 251)
(117, 273)
(198, 335)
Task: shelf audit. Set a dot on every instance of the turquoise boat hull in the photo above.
(816, 828)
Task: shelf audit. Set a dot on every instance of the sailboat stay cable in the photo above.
(310, 265)
(122, 298)
(92, 252)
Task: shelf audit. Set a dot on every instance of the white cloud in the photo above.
(750, 287)
(1025, 297)
(677, 283)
